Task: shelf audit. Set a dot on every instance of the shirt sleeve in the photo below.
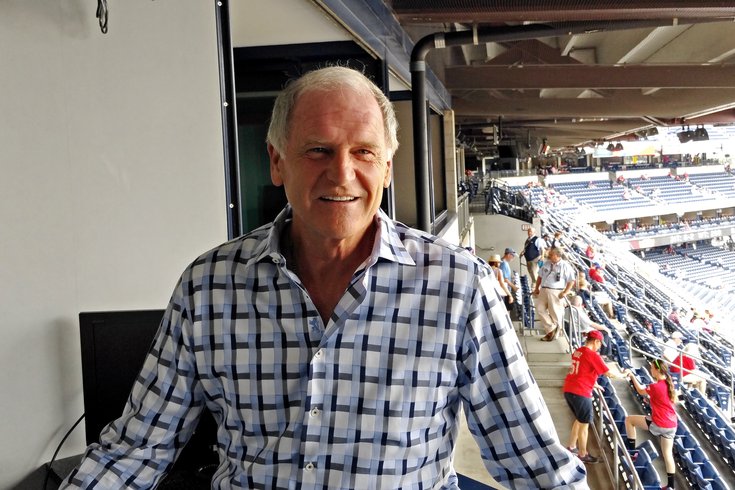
(137, 449)
(505, 410)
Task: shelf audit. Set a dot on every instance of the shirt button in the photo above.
(314, 412)
(276, 260)
(319, 354)
(309, 467)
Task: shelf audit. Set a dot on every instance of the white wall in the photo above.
(112, 181)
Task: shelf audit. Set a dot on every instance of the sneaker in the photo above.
(573, 450)
(588, 458)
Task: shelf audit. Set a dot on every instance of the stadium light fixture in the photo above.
(619, 147)
(611, 147)
(700, 134)
(685, 136)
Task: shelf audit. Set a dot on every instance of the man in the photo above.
(587, 366)
(334, 346)
(672, 347)
(506, 270)
(586, 324)
(556, 278)
(533, 251)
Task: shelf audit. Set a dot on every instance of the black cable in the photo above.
(102, 15)
(58, 448)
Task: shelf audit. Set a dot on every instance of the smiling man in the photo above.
(334, 346)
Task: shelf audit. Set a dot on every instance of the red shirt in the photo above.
(586, 366)
(687, 363)
(596, 275)
(662, 408)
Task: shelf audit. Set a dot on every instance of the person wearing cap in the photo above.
(495, 261)
(556, 278)
(587, 366)
(505, 268)
(672, 347)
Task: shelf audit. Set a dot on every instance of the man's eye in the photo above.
(318, 149)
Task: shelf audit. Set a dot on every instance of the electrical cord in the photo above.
(58, 448)
(102, 14)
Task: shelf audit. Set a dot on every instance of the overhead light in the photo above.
(685, 136)
(619, 147)
(700, 134)
(611, 147)
(652, 131)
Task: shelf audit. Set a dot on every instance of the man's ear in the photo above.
(388, 173)
(275, 165)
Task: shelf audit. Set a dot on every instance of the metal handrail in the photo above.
(617, 443)
(573, 315)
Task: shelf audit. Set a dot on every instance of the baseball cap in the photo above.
(596, 335)
(677, 335)
(510, 251)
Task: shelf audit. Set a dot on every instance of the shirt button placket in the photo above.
(313, 417)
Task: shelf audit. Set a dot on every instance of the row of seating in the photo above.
(713, 424)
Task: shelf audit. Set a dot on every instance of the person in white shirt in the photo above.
(671, 348)
(556, 278)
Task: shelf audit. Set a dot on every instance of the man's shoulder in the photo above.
(420, 244)
(241, 248)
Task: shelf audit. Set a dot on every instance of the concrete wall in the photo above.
(112, 181)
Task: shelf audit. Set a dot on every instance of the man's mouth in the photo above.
(338, 198)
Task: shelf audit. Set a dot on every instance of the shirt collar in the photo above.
(387, 246)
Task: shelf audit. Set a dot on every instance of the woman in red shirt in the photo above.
(663, 420)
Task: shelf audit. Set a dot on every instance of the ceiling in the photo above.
(573, 90)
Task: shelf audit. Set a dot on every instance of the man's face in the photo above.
(335, 164)
(554, 258)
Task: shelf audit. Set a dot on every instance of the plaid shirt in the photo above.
(370, 400)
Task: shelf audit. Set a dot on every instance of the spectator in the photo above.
(663, 420)
(674, 316)
(508, 255)
(533, 251)
(686, 367)
(587, 366)
(671, 347)
(335, 346)
(503, 290)
(586, 325)
(556, 278)
(596, 273)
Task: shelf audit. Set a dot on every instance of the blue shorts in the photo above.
(581, 407)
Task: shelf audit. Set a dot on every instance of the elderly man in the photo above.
(556, 278)
(533, 251)
(335, 347)
(586, 324)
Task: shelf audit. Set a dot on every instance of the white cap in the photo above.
(677, 335)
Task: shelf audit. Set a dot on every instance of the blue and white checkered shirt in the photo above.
(368, 401)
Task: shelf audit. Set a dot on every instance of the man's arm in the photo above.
(504, 407)
(137, 449)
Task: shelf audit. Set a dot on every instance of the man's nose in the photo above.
(341, 167)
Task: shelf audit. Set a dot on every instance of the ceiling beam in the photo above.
(422, 11)
(672, 105)
(579, 76)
